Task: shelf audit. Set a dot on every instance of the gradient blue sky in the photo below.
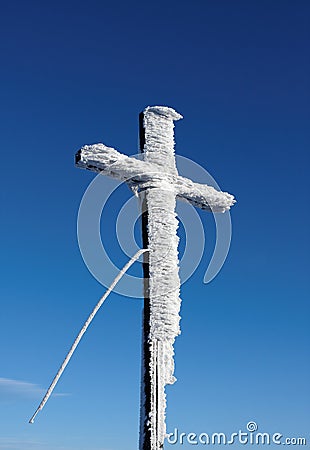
(76, 72)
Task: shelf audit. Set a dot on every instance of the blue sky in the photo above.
(74, 73)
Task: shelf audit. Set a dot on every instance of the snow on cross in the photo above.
(156, 180)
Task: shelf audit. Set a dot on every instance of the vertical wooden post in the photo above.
(146, 382)
(161, 280)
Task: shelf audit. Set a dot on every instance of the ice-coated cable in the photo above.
(83, 330)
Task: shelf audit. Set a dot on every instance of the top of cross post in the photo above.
(165, 111)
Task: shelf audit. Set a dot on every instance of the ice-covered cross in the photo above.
(156, 180)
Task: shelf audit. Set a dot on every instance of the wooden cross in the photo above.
(156, 180)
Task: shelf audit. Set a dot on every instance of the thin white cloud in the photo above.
(13, 389)
(8, 443)
(16, 444)
(27, 444)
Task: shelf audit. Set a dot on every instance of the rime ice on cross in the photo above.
(156, 180)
